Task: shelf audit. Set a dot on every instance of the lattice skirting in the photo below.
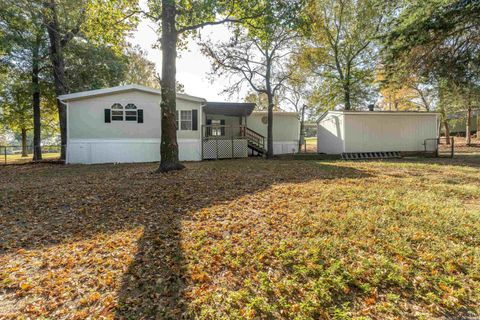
(224, 148)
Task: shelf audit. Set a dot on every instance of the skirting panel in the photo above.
(224, 148)
(127, 150)
(285, 147)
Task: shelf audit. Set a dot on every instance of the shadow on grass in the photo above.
(461, 159)
(56, 209)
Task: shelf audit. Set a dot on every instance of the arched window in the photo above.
(131, 112)
(117, 112)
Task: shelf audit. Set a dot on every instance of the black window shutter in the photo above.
(177, 120)
(108, 118)
(194, 120)
(222, 129)
(140, 115)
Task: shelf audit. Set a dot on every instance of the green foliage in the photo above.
(108, 21)
(340, 50)
(15, 98)
(438, 40)
(140, 70)
(90, 66)
(261, 101)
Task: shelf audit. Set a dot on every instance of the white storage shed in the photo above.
(376, 131)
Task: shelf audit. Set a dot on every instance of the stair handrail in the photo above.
(255, 136)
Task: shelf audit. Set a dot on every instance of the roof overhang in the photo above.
(119, 89)
(229, 108)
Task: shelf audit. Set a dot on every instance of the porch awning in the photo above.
(229, 108)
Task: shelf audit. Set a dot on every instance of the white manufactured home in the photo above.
(123, 124)
(376, 131)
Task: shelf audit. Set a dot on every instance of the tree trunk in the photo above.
(24, 143)
(37, 151)
(447, 131)
(478, 125)
(346, 91)
(58, 64)
(169, 147)
(270, 126)
(468, 131)
(302, 129)
(269, 109)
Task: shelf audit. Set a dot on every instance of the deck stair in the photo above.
(371, 155)
(256, 141)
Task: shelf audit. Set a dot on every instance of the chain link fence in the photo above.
(17, 154)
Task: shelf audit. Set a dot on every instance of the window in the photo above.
(185, 119)
(130, 112)
(216, 130)
(117, 112)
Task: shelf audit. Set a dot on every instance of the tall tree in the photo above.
(25, 42)
(180, 19)
(92, 19)
(297, 94)
(341, 49)
(140, 70)
(261, 101)
(439, 40)
(258, 53)
(15, 102)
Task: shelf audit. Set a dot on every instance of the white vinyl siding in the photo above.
(340, 132)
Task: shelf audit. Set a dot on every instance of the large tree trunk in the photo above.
(346, 96)
(468, 131)
(478, 125)
(269, 109)
(302, 129)
(347, 99)
(37, 151)
(447, 131)
(24, 143)
(270, 126)
(58, 64)
(168, 148)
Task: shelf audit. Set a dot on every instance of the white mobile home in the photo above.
(123, 124)
(375, 131)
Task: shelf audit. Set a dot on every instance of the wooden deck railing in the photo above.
(255, 140)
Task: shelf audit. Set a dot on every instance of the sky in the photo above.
(192, 66)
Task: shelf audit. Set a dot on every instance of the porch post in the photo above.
(231, 134)
(201, 137)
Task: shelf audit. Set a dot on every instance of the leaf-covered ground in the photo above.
(240, 239)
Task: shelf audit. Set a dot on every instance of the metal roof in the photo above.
(229, 108)
(130, 87)
(278, 113)
(377, 112)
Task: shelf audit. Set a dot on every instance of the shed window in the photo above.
(130, 112)
(185, 119)
(117, 112)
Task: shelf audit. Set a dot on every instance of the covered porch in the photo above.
(225, 132)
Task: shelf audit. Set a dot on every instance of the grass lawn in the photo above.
(311, 143)
(242, 239)
(17, 158)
